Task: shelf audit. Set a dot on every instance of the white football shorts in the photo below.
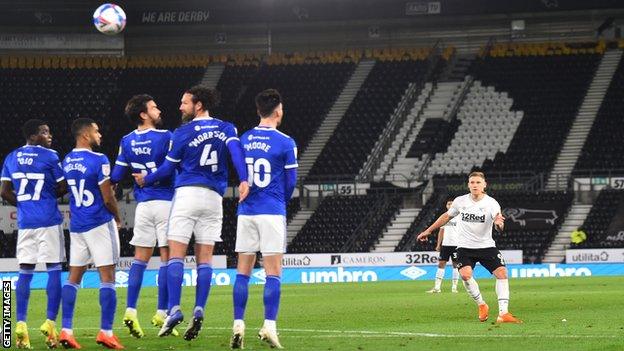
(150, 223)
(196, 210)
(45, 245)
(99, 246)
(264, 233)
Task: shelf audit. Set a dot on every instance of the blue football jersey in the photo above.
(268, 152)
(200, 149)
(144, 151)
(34, 171)
(85, 170)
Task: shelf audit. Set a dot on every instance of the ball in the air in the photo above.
(109, 19)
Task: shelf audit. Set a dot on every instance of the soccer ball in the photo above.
(109, 19)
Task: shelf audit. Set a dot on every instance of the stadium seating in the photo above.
(434, 136)
(338, 218)
(605, 210)
(60, 96)
(549, 90)
(603, 149)
(309, 90)
(347, 149)
(487, 126)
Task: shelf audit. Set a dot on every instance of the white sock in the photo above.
(239, 323)
(107, 332)
(455, 278)
(502, 291)
(131, 310)
(473, 290)
(270, 325)
(68, 331)
(162, 313)
(438, 279)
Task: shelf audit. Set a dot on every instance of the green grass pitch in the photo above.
(581, 313)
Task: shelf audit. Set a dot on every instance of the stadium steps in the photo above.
(396, 230)
(575, 140)
(575, 218)
(407, 130)
(213, 74)
(325, 131)
(297, 222)
(457, 68)
(440, 104)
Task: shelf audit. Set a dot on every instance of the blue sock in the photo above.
(135, 279)
(162, 287)
(68, 294)
(53, 290)
(240, 294)
(108, 303)
(175, 274)
(22, 292)
(204, 277)
(272, 292)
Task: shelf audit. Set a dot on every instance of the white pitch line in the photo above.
(389, 334)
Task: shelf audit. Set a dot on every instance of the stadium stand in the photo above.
(308, 90)
(347, 149)
(486, 127)
(548, 84)
(338, 218)
(97, 87)
(58, 96)
(603, 224)
(601, 154)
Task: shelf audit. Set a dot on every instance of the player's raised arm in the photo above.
(238, 159)
(442, 220)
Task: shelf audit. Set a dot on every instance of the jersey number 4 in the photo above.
(24, 179)
(259, 171)
(209, 158)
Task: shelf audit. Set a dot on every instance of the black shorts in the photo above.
(446, 252)
(490, 258)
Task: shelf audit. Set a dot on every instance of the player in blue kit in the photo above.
(199, 152)
(271, 158)
(34, 170)
(143, 151)
(93, 231)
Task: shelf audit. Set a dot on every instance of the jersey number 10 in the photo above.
(257, 178)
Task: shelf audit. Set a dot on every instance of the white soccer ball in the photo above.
(109, 19)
